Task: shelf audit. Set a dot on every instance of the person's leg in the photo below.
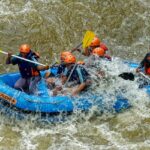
(33, 84)
(57, 90)
(142, 82)
(20, 84)
(50, 83)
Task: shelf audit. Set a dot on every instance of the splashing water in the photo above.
(52, 26)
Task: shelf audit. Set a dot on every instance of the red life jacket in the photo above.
(107, 57)
(103, 46)
(147, 69)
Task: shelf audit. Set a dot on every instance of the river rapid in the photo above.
(51, 26)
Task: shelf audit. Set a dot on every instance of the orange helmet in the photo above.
(69, 59)
(95, 42)
(25, 48)
(98, 51)
(64, 54)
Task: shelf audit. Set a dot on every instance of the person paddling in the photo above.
(94, 62)
(75, 74)
(53, 79)
(144, 66)
(96, 43)
(30, 72)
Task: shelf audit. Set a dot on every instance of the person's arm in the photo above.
(8, 59)
(86, 51)
(38, 67)
(47, 74)
(141, 64)
(64, 76)
(42, 68)
(79, 89)
(76, 49)
(63, 79)
(11, 60)
(82, 81)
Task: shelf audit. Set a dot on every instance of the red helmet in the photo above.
(95, 42)
(98, 51)
(25, 48)
(64, 54)
(69, 59)
(103, 46)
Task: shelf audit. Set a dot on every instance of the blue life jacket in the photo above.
(57, 70)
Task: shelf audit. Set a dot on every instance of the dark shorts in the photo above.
(28, 85)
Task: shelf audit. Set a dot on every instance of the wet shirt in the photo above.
(57, 70)
(61, 69)
(80, 75)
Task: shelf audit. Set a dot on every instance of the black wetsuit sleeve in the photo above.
(33, 65)
(143, 61)
(141, 64)
(14, 60)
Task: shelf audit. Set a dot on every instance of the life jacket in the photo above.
(79, 74)
(103, 46)
(57, 70)
(107, 57)
(147, 68)
(27, 69)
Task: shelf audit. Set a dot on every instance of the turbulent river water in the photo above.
(56, 25)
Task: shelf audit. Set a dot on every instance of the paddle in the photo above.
(145, 76)
(87, 40)
(6, 53)
(131, 76)
(88, 37)
(76, 47)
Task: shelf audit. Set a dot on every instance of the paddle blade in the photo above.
(127, 76)
(3, 52)
(87, 40)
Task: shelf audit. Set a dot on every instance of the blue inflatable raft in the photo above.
(45, 104)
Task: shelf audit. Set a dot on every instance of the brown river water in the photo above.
(51, 26)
